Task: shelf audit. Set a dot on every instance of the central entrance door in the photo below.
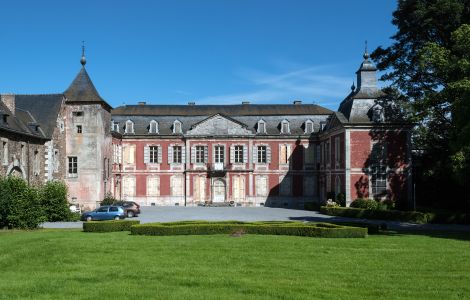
(219, 191)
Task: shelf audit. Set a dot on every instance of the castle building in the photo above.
(278, 155)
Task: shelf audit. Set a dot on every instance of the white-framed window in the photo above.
(308, 127)
(199, 154)
(153, 186)
(284, 154)
(219, 154)
(153, 154)
(117, 154)
(261, 185)
(285, 129)
(176, 185)
(129, 154)
(73, 166)
(238, 188)
(177, 154)
(199, 188)
(177, 127)
(153, 127)
(378, 170)
(128, 186)
(114, 126)
(129, 127)
(261, 127)
(262, 157)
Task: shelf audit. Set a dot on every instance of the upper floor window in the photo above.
(261, 127)
(238, 154)
(177, 154)
(153, 127)
(114, 126)
(153, 154)
(77, 113)
(201, 154)
(129, 127)
(285, 127)
(219, 154)
(79, 129)
(262, 154)
(308, 126)
(322, 126)
(73, 166)
(177, 127)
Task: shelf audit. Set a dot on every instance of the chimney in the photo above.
(142, 102)
(245, 102)
(191, 103)
(9, 101)
(297, 102)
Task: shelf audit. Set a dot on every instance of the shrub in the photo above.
(313, 206)
(230, 227)
(53, 197)
(109, 226)
(20, 204)
(341, 199)
(394, 215)
(108, 199)
(364, 203)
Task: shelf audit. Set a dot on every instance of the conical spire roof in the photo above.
(82, 90)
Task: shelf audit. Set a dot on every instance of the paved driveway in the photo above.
(174, 213)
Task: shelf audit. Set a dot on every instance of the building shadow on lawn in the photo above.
(406, 229)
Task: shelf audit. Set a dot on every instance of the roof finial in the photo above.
(353, 87)
(366, 54)
(83, 59)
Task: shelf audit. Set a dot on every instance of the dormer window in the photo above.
(129, 127)
(261, 128)
(177, 127)
(308, 126)
(322, 126)
(114, 126)
(285, 127)
(153, 127)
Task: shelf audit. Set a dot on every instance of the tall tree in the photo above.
(429, 62)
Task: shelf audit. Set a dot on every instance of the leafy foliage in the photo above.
(53, 197)
(108, 199)
(392, 215)
(20, 204)
(364, 203)
(429, 63)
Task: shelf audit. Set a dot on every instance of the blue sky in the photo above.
(210, 52)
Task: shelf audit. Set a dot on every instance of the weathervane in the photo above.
(83, 59)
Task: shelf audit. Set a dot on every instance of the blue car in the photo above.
(106, 212)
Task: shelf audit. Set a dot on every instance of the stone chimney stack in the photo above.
(9, 101)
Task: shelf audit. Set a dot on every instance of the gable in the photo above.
(219, 125)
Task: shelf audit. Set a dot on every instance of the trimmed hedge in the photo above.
(228, 227)
(391, 215)
(371, 228)
(109, 226)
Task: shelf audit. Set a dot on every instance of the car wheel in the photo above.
(116, 218)
(89, 218)
(130, 214)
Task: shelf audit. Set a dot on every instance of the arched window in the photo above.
(177, 127)
(153, 127)
(285, 127)
(129, 127)
(261, 127)
(308, 126)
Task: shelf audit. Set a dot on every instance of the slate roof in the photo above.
(18, 122)
(228, 110)
(82, 90)
(43, 109)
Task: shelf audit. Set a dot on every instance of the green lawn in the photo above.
(72, 264)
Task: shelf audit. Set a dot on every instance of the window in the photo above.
(176, 185)
(200, 154)
(337, 151)
(219, 154)
(176, 127)
(309, 154)
(129, 127)
(262, 159)
(79, 128)
(238, 186)
(114, 126)
(73, 166)
(129, 154)
(153, 154)
(337, 185)
(102, 210)
(153, 127)
(309, 186)
(23, 154)
(5, 152)
(261, 185)
(153, 186)
(322, 126)
(55, 159)
(284, 154)
(308, 126)
(199, 188)
(378, 168)
(285, 185)
(238, 154)
(177, 154)
(113, 208)
(36, 163)
(77, 113)
(261, 127)
(117, 153)
(128, 186)
(285, 127)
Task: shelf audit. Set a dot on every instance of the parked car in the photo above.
(106, 212)
(131, 208)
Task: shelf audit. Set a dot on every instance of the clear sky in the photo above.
(207, 51)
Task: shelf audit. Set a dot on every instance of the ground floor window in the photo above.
(176, 185)
(261, 185)
(128, 187)
(238, 188)
(199, 188)
(153, 186)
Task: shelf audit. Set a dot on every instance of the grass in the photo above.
(69, 264)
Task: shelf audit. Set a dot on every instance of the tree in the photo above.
(429, 62)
